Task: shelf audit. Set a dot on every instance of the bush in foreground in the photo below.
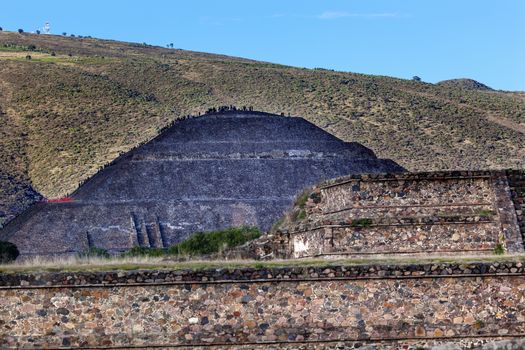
(499, 249)
(202, 243)
(8, 252)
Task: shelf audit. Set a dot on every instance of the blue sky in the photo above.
(434, 39)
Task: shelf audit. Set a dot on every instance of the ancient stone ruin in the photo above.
(204, 173)
(369, 306)
(431, 260)
(406, 214)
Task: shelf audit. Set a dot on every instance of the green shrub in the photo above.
(485, 213)
(203, 243)
(301, 215)
(302, 199)
(362, 222)
(499, 249)
(94, 252)
(259, 265)
(8, 252)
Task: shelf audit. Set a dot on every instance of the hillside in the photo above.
(467, 84)
(78, 103)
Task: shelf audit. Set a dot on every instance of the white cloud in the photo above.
(338, 14)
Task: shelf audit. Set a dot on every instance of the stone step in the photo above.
(219, 178)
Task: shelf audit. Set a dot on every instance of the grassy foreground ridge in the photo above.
(127, 263)
(78, 103)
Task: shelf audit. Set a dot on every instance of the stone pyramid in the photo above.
(203, 173)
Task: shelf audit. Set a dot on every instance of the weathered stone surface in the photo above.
(314, 313)
(108, 278)
(470, 212)
(18, 195)
(203, 173)
(432, 344)
(516, 180)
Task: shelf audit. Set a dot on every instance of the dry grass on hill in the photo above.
(78, 103)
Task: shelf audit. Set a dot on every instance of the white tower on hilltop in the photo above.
(47, 29)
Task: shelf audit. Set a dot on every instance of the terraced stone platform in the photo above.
(415, 214)
(203, 173)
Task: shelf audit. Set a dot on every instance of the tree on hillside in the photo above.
(38, 31)
(416, 78)
(20, 31)
(1, 29)
(64, 33)
(171, 45)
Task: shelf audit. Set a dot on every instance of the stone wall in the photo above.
(411, 213)
(308, 307)
(517, 186)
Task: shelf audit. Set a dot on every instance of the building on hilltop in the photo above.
(203, 173)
